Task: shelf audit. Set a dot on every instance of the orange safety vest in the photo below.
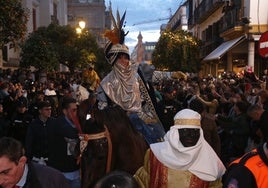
(258, 168)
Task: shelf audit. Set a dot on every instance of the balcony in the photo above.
(232, 21)
(211, 39)
(205, 9)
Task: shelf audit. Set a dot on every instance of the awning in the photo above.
(223, 48)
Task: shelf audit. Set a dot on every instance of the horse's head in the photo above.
(125, 151)
(129, 146)
(95, 153)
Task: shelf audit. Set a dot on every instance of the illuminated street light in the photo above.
(82, 25)
(78, 30)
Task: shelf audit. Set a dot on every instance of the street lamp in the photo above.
(82, 25)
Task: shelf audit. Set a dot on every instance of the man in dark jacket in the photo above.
(62, 142)
(237, 130)
(20, 122)
(37, 134)
(260, 115)
(15, 171)
(168, 107)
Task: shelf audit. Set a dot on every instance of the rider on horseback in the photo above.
(124, 87)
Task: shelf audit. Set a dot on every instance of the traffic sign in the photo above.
(263, 45)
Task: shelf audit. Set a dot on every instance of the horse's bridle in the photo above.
(84, 138)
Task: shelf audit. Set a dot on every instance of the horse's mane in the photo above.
(119, 124)
(128, 145)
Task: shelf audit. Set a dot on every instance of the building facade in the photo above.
(142, 52)
(62, 12)
(41, 13)
(93, 13)
(230, 31)
(179, 20)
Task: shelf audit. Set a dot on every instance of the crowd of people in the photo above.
(233, 114)
(208, 132)
(46, 125)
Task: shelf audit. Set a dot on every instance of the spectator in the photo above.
(237, 129)
(33, 106)
(208, 125)
(90, 78)
(252, 97)
(237, 97)
(15, 97)
(211, 103)
(21, 96)
(20, 122)
(263, 99)
(62, 142)
(168, 107)
(3, 91)
(51, 96)
(184, 159)
(37, 134)
(249, 171)
(260, 115)
(16, 171)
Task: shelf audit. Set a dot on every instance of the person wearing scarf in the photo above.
(125, 88)
(184, 159)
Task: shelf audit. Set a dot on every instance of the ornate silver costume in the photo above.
(122, 87)
(125, 88)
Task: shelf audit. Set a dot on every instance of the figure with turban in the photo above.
(183, 159)
(124, 87)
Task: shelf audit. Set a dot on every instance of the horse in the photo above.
(109, 142)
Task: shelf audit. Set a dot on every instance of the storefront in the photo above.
(233, 56)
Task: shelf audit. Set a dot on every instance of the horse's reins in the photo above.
(84, 141)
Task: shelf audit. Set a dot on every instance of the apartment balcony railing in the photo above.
(205, 9)
(231, 19)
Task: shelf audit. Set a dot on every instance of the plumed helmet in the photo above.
(113, 50)
(115, 46)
